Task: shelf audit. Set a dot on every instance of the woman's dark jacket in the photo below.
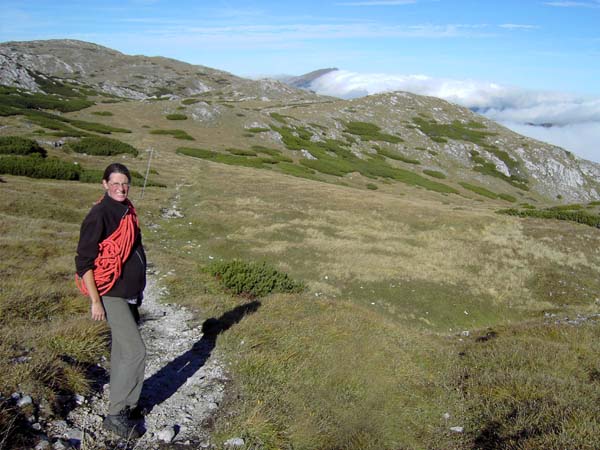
(102, 220)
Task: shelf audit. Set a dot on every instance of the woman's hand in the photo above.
(98, 311)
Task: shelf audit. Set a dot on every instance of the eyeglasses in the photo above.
(121, 185)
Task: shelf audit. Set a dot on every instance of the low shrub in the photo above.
(17, 145)
(397, 156)
(279, 117)
(53, 122)
(96, 127)
(190, 101)
(479, 190)
(241, 152)
(38, 167)
(176, 117)
(441, 132)
(507, 197)
(177, 134)
(253, 279)
(434, 174)
(101, 146)
(197, 152)
(16, 98)
(103, 113)
(370, 132)
(582, 217)
(372, 186)
(296, 170)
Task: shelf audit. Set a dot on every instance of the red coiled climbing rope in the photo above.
(112, 253)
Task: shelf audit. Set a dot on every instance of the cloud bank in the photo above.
(566, 120)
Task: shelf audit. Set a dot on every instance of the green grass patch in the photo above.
(372, 186)
(257, 130)
(177, 134)
(103, 113)
(190, 101)
(253, 279)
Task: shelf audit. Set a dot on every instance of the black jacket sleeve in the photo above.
(90, 236)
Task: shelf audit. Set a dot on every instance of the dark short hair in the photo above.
(116, 168)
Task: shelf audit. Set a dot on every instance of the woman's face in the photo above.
(117, 186)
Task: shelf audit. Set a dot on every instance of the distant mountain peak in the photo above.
(304, 81)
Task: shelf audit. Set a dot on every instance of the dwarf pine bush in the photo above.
(38, 167)
(17, 145)
(101, 146)
(253, 279)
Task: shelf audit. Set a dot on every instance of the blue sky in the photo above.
(533, 47)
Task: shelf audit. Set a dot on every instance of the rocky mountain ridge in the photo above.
(427, 134)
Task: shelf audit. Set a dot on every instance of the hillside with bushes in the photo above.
(426, 277)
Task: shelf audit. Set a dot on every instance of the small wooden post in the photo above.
(147, 172)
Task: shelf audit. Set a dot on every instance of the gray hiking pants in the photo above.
(127, 355)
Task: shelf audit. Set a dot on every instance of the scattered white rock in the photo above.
(457, 429)
(465, 333)
(42, 445)
(167, 434)
(59, 445)
(24, 401)
(234, 443)
(306, 154)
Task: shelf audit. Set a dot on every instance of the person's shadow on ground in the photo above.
(164, 383)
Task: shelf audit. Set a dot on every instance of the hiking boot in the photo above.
(122, 426)
(136, 413)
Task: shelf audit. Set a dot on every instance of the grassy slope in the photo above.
(394, 278)
(371, 356)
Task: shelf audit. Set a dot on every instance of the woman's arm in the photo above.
(97, 307)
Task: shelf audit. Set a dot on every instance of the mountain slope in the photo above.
(381, 137)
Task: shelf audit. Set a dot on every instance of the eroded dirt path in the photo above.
(184, 383)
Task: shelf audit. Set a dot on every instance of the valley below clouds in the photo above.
(567, 120)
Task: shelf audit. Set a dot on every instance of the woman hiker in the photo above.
(111, 271)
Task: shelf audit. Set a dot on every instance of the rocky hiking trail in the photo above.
(183, 388)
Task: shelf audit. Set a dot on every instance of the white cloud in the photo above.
(567, 4)
(575, 119)
(583, 139)
(515, 26)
